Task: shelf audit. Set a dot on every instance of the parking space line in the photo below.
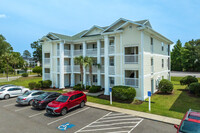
(68, 116)
(112, 124)
(36, 114)
(118, 114)
(116, 117)
(93, 122)
(119, 132)
(120, 120)
(106, 128)
(21, 109)
(9, 105)
(135, 126)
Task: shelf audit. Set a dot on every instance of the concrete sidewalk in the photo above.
(136, 113)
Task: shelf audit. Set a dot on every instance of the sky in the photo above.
(25, 21)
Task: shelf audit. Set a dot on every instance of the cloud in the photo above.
(2, 15)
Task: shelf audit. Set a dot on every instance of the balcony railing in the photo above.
(131, 82)
(102, 51)
(94, 69)
(58, 52)
(111, 70)
(131, 59)
(47, 76)
(111, 49)
(78, 52)
(102, 68)
(91, 52)
(58, 68)
(66, 52)
(46, 61)
(67, 68)
(76, 68)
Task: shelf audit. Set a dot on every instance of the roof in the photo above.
(71, 93)
(193, 116)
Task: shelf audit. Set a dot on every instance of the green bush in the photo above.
(165, 86)
(87, 87)
(37, 70)
(38, 86)
(124, 93)
(187, 80)
(24, 74)
(78, 87)
(41, 83)
(46, 84)
(32, 85)
(94, 89)
(194, 88)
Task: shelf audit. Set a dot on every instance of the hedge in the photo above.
(194, 88)
(38, 86)
(24, 74)
(165, 86)
(78, 87)
(94, 89)
(187, 80)
(124, 93)
(32, 85)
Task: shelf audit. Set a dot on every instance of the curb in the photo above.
(149, 116)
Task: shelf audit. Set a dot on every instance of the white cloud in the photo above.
(2, 15)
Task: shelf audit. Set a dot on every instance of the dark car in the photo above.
(41, 101)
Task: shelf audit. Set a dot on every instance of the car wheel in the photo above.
(82, 104)
(6, 96)
(30, 102)
(64, 111)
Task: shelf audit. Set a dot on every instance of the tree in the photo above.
(4, 46)
(26, 54)
(7, 57)
(80, 61)
(37, 54)
(176, 60)
(38, 70)
(88, 62)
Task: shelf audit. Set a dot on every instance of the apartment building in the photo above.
(129, 52)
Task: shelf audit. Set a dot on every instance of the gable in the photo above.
(94, 31)
(115, 25)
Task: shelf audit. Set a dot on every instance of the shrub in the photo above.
(32, 85)
(46, 84)
(124, 93)
(24, 74)
(38, 86)
(87, 87)
(165, 86)
(78, 87)
(38, 70)
(194, 88)
(41, 83)
(187, 80)
(94, 89)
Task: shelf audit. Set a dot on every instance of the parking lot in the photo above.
(15, 118)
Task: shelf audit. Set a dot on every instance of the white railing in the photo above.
(76, 68)
(102, 69)
(47, 76)
(46, 61)
(58, 52)
(102, 51)
(111, 49)
(131, 59)
(111, 70)
(94, 69)
(66, 52)
(91, 52)
(78, 52)
(58, 68)
(67, 68)
(132, 82)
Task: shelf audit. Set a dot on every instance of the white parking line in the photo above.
(106, 128)
(36, 114)
(112, 124)
(120, 120)
(119, 115)
(22, 109)
(9, 105)
(67, 116)
(116, 117)
(119, 132)
(135, 125)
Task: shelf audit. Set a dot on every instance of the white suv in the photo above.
(12, 91)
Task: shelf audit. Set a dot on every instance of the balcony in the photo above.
(46, 61)
(111, 70)
(102, 68)
(58, 52)
(78, 52)
(76, 68)
(111, 49)
(47, 76)
(131, 59)
(67, 68)
(67, 52)
(102, 51)
(132, 82)
(91, 52)
(94, 69)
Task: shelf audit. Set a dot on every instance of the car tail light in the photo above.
(41, 102)
(24, 99)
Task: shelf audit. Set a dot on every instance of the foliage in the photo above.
(165, 86)
(37, 53)
(78, 87)
(38, 70)
(194, 88)
(26, 54)
(38, 86)
(46, 84)
(94, 89)
(124, 93)
(80, 61)
(32, 85)
(24, 74)
(88, 62)
(187, 80)
(87, 87)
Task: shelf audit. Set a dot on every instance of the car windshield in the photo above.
(27, 93)
(62, 98)
(2, 89)
(189, 127)
(42, 96)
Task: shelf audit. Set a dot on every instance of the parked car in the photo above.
(6, 85)
(41, 101)
(66, 102)
(27, 98)
(190, 123)
(12, 91)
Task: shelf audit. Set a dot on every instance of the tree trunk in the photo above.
(91, 82)
(7, 70)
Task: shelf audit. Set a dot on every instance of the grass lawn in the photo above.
(12, 75)
(174, 105)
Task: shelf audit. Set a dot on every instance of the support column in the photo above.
(72, 66)
(61, 65)
(84, 70)
(98, 62)
(142, 66)
(43, 73)
(106, 65)
(51, 65)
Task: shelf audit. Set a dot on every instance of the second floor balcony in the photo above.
(46, 61)
(111, 70)
(78, 52)
(91, 52)
(47, 76)
(67, 68)
(132, 82)
(131, 59)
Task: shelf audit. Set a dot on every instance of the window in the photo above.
(111, 61)
(112, 80)
(151, 61)
(162, 46)
(11, 89)
(151, 41)
(72, 97)
(58, 46)
(46, 55)
(78, 95)
(51, 96)
(168, 49)
(94, 46)
(36, 93)
(81, 47)
(47, 70)
(94, 78)
(162, 63)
